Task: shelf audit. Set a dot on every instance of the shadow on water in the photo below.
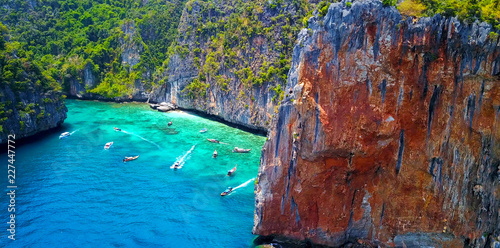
(54, 132)
(166, 130)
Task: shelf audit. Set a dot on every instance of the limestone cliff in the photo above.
(29, 101)
(389, 134)
(231, 59)
(226, 58)
(132, 50)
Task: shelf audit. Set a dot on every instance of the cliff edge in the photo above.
(388, 133)
(30, 101)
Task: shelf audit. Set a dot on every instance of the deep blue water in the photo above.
(73, 193)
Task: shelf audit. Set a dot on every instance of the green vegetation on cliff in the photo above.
(465, 10)
(70, 38)
(247, 42)
(112, 47)
(25, 89)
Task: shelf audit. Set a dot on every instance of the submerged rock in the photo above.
(389, 135)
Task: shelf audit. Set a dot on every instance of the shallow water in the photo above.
(73, 193)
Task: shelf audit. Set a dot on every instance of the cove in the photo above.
(73, 193)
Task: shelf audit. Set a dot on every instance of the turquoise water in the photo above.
(73, 193)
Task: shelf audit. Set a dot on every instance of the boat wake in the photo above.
(74, 131)
(181, 159)
(244, 184)
(140, 137)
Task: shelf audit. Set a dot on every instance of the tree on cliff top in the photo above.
(465, 10)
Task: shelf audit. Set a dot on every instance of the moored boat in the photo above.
(241, 150)
(231, 171)
(108, 145)
(213, 140)
(169, 124)
(64, 135)
(126, 159)
(227, 191)
(215, 154)
(203, 130)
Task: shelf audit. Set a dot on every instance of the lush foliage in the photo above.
(231, 37)
(70, 38)
(411, 8)
(19, 75)
(465, 10)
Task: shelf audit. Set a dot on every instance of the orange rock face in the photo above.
(389, 134)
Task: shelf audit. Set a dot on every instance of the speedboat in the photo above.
(117, 129)
(126, 159)
(108, 145)
(64, 135)
(215, 154)
(213, 140)
(227, 191)
(203, 130)
(231, 171)
(169, 124)
(241, 150)
(176, 165)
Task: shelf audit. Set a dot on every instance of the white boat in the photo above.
(108, 145)
(203, 130)
(64, 135)
(241, 150)
(126, 159)
(176, 165)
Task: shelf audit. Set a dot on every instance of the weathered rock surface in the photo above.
(228, 95)
(390, 134)
(78, 85)
(30, 112)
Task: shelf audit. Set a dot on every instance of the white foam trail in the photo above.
(182, 158)
(140, 137)
(74, 131)
(244, 184)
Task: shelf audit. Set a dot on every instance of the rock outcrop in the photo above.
(46, 111)
(227, 59)
(29, 103)
(132, 50)
(85, 80)
(221, 62)
(389, 134)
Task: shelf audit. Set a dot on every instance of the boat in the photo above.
(227, 191)
(215, 154)
(64, 135)
(241, 150)
(108, 145)
(231, 171)
(117, 129)
(213, 140)
(126, 159)
(203, 130)
(169, 124)
(176, 165)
